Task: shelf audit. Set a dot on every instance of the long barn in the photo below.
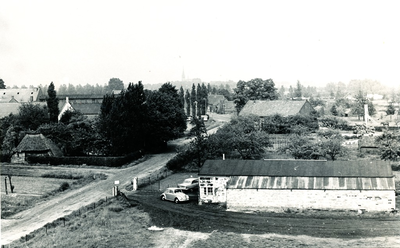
(298, 184)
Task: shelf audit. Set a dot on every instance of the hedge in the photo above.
(94, 161)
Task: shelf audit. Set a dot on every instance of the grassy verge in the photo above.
(31, 190)
(111, 223)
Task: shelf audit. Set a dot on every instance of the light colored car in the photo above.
(189, 183)
(174, 194)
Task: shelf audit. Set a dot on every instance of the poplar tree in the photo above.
(52, 103)
(193, 101)
(188, 105)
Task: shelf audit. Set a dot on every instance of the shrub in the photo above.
(64, 186)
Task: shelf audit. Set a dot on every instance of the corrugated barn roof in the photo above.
(296, 168)
(329, 183)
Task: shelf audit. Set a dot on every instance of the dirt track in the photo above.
(207, 218)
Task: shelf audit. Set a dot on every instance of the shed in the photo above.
(298, 184)
(35, 145)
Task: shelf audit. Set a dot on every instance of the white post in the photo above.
(366, 114)
(135, 183)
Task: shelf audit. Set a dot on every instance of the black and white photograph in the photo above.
(186, 124)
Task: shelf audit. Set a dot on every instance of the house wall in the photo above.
(265, 199)
(212, 189)
(18, 158)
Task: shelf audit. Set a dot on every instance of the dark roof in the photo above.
(87, 108)
(268, 108)
(37, 143)
(296, 168)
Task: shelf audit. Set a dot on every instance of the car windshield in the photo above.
(189, 181)
(178, 191)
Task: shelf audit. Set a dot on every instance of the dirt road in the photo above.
(206, 218)
(29, 220)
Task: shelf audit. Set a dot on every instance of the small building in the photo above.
(35, 145)
(276, 185)
(281, 107)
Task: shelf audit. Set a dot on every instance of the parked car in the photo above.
(174, 194)
(189, 183)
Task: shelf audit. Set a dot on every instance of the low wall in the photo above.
(270, 200)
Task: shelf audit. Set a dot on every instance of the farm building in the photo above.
(90, 109)
(35, 145)
(284, 108)
(298, 184)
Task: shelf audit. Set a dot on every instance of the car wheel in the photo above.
(176, 200)
(163, 197)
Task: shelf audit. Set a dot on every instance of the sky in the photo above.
(315, 42)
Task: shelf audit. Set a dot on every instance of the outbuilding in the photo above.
(272, 185)
(35, 145)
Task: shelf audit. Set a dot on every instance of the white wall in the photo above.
(264, 199)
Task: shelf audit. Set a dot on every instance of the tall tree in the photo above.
(125, 118)
(188, 104)
(182, 97)
(52, 103)
(255, 89)
(240, 136)
(115, 84)
(31, 116)
(2, 84)
(390, 110)
(204, 91)
(193, 101)
(166, 119)
(298, 92)
(389, 143)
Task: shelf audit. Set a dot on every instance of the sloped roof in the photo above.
(13, 108)
(215, 99)
(331, 183)
(268, 108)
(20, 95)
(37, 143)
(87, 108)
(296, 168)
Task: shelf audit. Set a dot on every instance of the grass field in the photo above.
(32, 186)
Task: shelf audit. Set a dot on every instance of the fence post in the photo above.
(5, 179)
